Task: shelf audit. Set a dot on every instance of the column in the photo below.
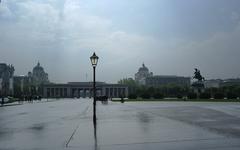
(45, 91)
(21, 85)
(11, 86)
(51, 92)
(126, 91)
(65, 92)
(78, 93)
(1, 84)
(73, 92)
(48, 94)
(68, 92)
(61, 92)
(111, 92)
(115, 92)
(107, 92)
(119, 92)
(84, 93)
(103, 93)
(56, 92)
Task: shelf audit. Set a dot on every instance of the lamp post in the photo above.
(94, 61)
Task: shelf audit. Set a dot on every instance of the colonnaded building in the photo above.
(36, 83)
(144, 77)
(84, 89)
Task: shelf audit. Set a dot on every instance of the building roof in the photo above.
(167, 76)
(38, 67)
(81, 84)
(143, 68)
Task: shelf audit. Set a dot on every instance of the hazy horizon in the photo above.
(171, 37)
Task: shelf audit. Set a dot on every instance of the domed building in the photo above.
(38, 75)
(32, 83)
(142, 74)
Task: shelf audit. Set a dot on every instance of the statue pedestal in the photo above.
(198, 87)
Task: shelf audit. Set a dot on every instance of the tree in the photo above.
(192, 96)
(205, 95)
(145, 95)
(219, 96)
(132, 96)
(158, 95)
(130, 82)
(231, 95)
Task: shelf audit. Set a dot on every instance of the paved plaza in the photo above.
(67, 124)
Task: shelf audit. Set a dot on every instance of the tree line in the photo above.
(178, 91)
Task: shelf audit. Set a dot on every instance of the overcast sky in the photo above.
(172, 37)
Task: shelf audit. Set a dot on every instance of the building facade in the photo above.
(217, 83)
(212, 83)
(230, 82)
(38, 75)
(32, 83)
(166, 80)
(144, 77)
(84, 89)
(22, 85)
(6, 79)
(142, 74)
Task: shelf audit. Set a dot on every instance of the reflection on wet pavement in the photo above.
(38, 127)
(144, 117)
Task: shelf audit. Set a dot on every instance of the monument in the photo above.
(198, 84)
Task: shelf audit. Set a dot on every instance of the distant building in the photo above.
(22, 85)
(166, 80)
(214, 83)
(38, 75)
(6, 79)
(84, 89)
(142, 74)
(144, 77)
(230, 82)
(32, 83)
(217, 83)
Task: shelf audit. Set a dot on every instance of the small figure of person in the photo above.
(2, 103)
(122, 99)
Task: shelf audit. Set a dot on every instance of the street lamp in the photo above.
(94, 61)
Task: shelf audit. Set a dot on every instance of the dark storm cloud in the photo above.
(170, 36)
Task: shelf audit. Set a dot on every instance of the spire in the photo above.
(38, 64)
(143, 64)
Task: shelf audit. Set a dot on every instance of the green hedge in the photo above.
(158, 96)
(231, 95)
(218, 96)
(192, 96)
(205, 96)
(132, 96)
(146, 96)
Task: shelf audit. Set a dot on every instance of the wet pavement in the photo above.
(67, 124)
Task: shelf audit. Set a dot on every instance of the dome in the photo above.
(38, 67)
(143, 68)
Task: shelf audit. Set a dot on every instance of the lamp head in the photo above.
(94, 59)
